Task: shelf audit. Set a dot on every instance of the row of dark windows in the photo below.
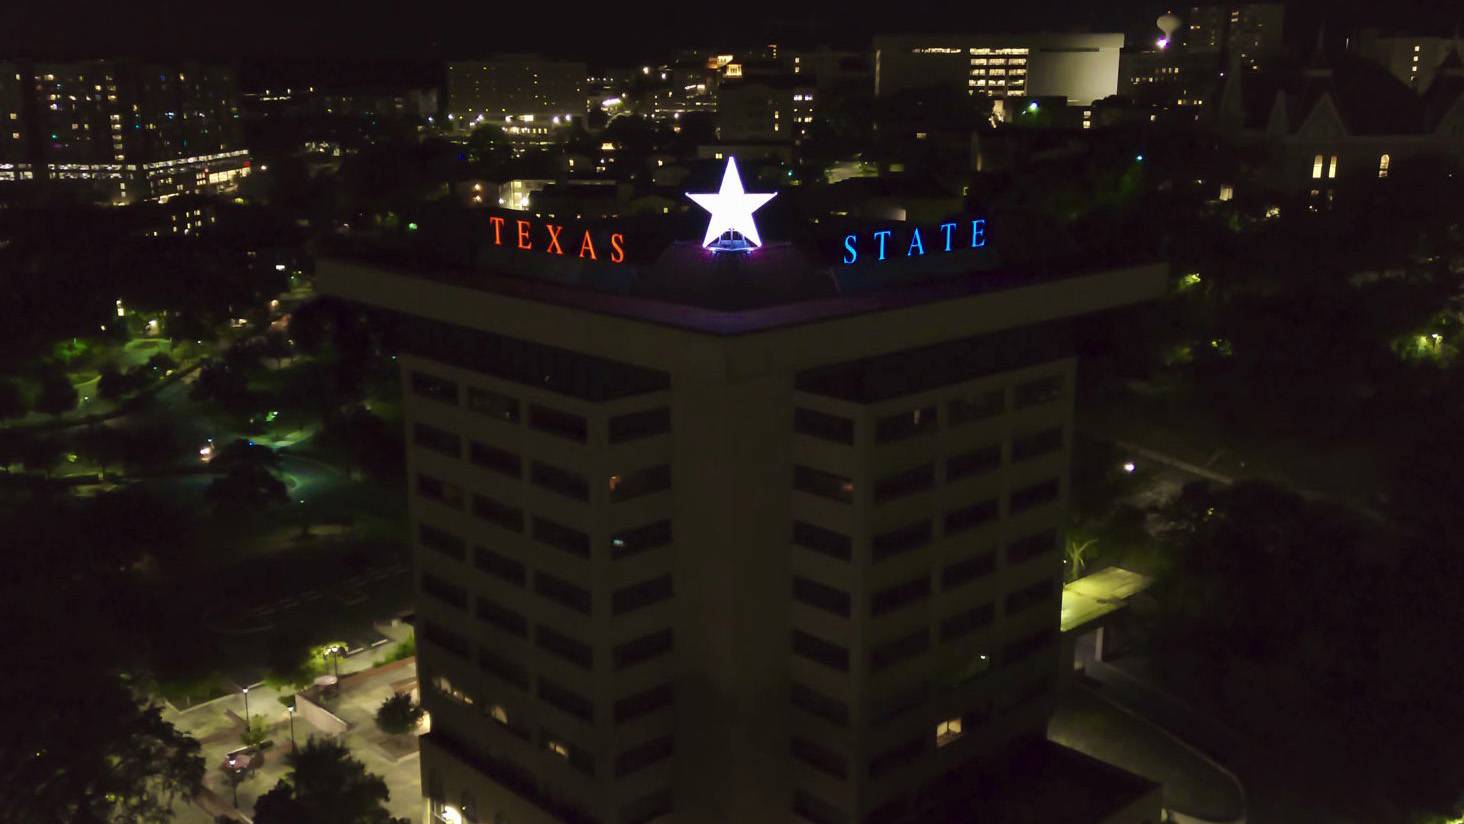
(622, 428)
(623, 656)
(577, 375)
(923, 421)
(928, 368)
(623, 543)
(909, 537)
(921, 478)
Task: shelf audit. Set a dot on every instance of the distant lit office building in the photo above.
(16, 151)
(534, 100)
(1413, 60)
(1244, 34)
(827, 67)
(767, 109)
(123, 132)
(1080, 67)
(731, 539)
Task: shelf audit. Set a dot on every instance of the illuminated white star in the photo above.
(731, 208)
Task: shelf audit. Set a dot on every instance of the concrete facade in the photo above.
(797, 573)
(1080, 67)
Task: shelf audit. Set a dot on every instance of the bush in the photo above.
(398, 714)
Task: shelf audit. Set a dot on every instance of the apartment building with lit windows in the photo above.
(1244, 35)
(1080, 67)
(534, 100)
(731, 538)
(121, 132)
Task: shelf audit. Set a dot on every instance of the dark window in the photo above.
(970, 517)
(1034, 495)
(899, 595)
(900, 540)
(975, 462)
(819, 705)
(976, 407)
(499, 513)
(1028, 646)
(816, 809)
(905, 425)
(562, 592)
(643, 648)
(445, 542)
(823, 541)
(967, 622)
(1028, 597)
(823, 484)
(641, 595)
(893, 652)
(823, 426)
(450, 641)
(909, 482)
(1025, 549)
(431, 386)
(641, 482)
(821, 759)
(824, 652)
(498, 460)
(554, 422)
(562, 481)
(437, 440)
(896, 757)
(967, 570)
(628, 542)
(493, 404)
(890, 707)
(502, 617)
(566, 700)
(634, 706)
(444, 592)
(821, 597)
(576, 652)
(502, 668)
(642, 756)
(439, 490)
(1047, 441)
(557, 535)
(499, 566)
(637, 425)
(1036, 392)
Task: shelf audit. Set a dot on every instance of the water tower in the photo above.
(1168, 24)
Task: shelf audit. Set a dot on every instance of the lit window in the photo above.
(557, 747)
(1318, 163)
(1332, 171)
(947, 731)
(1384, 163)
(498, 713)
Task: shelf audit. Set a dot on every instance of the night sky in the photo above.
(607, 31)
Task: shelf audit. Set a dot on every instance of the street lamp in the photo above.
(292, 728)
(246, 708)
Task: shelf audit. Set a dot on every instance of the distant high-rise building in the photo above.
(1079, 67)
(733, 544)
(532, 99)
(771, 109)
(1413, 60)
(123, 131)
(1244, 34)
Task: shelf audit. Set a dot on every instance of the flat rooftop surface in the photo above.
(337, 275)
(1094, 596)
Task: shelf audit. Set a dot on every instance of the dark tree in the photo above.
(398, 715)
(247, 487)
(325, 786)
(12, 402)
(57, 393)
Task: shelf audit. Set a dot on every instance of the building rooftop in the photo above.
(1098, 595)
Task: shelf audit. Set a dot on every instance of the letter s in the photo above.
(617, 249)
(849, 254)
